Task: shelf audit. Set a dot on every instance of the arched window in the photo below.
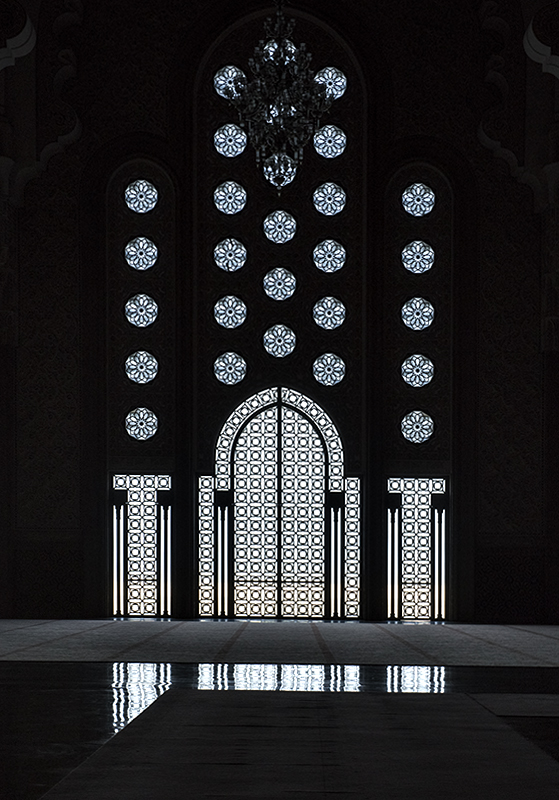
(279, 521)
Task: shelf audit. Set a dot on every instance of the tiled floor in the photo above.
(69, 686)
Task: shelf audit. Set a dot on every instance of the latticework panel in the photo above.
(416, 547)
(255, 558)
(328, 430)
(352, 555)
(206, 546)
(142, 555)
(302, 517)
(229, 431)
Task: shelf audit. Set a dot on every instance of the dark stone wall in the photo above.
(126, 65)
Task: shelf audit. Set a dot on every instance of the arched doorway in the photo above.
(279, 520)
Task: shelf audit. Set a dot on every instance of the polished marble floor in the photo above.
(59, 705)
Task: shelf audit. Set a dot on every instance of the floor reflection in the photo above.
(135, 687)
(279, 677)
(424, 680)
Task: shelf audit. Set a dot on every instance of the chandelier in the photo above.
(281, 106)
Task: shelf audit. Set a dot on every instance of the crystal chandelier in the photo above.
(281, 106)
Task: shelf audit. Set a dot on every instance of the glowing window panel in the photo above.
(141, 196)
(329, 199)
(230, 197)
(329, 369)
(141, 424)
(417, 427)
(418, 199)
(279, 341)
(418, 257)
(230, 368)
(279, 283)
(329, 313)
(229, 81)
(141, 310)
(230, 140)
(329, 141)
(417, 314)
(280, 677)
(334, 80)
(417, 370)
(230, 255)
(416, 550)
(329, 256)
(140, 253)
(142, 546)
(141, 367)
(412, 679)
(280, 227)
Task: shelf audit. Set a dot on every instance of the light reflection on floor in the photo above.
(137, 685)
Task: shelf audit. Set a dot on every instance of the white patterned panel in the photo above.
(206, 546)
(256, 523)
(415, 543)
(352, 554)
(142, 552)
(327, 429)
(302, 517)
(230, 430)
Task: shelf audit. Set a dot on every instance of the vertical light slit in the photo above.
(443, 564)
(225, 561)
(121, 558)
(437, 534)
(389, 563)
(219, 546)
(332, 565)
(396, 552)
(168, 550)
(339, 581)
(162, 563)
(115, 561)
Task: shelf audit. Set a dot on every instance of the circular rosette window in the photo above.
(418, 370)
(329, 313)
(230, 197)
(230, 368)
(329, 256)
(329, 141)
(418, 257)
(141, 196)
(329, 369)
(280, 227)
(228, 81)
(141, 424)
(329, 199)
(230, 140)
(417, 427)
(417, 313)
(418, 199)
(141, 367)
(334, 80)
(279, 283)
(141, 310)
(230, 255)
(140, 253)
(230, 312)
(279, 341)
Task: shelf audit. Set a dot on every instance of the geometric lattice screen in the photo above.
(279, 521)
(142, 545)
(416, 548)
